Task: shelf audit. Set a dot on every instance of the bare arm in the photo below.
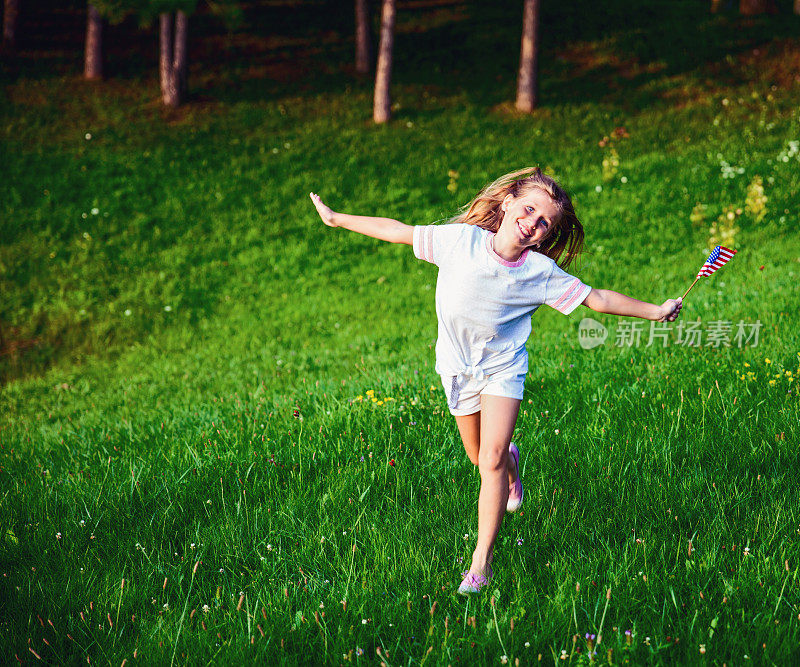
(614, 303)
(385, 229)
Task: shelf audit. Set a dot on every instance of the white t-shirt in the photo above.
(484, 303)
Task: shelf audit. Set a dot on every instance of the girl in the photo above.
(497, 264)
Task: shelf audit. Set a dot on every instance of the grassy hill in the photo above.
(195, 370)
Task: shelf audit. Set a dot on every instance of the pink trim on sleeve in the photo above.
(572, 297)
(429, 244)
(423, 243)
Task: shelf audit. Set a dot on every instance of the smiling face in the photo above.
(529, 219)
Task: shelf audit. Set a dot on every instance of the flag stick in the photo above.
(690, 288)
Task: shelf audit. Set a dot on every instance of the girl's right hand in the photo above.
(670, 310)
(324, 211)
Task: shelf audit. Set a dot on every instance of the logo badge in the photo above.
(591, 333)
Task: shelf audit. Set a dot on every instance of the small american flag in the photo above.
(716, 260)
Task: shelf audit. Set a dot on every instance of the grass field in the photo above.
(221, 434)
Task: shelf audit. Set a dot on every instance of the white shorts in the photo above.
(464, 398)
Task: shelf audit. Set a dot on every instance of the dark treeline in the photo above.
(118, 37)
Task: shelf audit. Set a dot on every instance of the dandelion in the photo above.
(88, 136)
(95, 211)
(206, 609)
(363, 621)
(527, 644)
(128, 312)
(598, 188)
(168, 308)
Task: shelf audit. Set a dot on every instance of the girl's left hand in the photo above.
(670, 310)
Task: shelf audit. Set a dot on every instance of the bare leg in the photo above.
(469, 426)
(498, 417)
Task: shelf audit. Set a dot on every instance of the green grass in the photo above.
(182, 369)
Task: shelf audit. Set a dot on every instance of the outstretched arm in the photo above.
(614, 303)
(385, 229)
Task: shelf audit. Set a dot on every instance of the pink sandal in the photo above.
(473, 583)
(515, 500)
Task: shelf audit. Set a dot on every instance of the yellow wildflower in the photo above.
(772, 381)
(379, 403)
(746, 365)
(370, 392)
(767, 361)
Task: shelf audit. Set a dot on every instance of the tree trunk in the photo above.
(165, 24)
(173, 58)
(363, 36)
(382, 105)
(528, 80)
(10, 15)
(93, 56)
(180, 62)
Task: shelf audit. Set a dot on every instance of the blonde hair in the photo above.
(566, 238)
